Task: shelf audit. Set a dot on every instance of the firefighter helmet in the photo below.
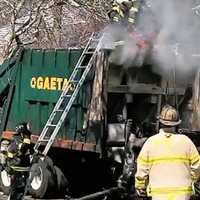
(119, 1)
(169, 116)
(123, 1)
(22, 128)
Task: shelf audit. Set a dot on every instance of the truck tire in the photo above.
(42, 179)
(62, 183)
(5, 182)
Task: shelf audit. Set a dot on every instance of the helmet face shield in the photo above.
(169, 116)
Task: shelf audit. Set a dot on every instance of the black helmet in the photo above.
(22, 128)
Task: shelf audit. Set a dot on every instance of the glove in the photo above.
(1, 167)
(126, 181)
(34, 158)
(9, 170)
(122, 182)
(141, 192)
(196, 188)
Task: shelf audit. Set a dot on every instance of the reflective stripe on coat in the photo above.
(120, 16)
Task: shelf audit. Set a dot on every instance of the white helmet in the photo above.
(123, 1)
(169, 116)
(119, 1)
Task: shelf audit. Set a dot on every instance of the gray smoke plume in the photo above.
(177, 39)
(173, 27)
(126, 50)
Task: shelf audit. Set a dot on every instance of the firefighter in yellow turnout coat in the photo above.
(122, 15)
(168, 163)
(124, 12)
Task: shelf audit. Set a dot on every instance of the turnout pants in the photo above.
(18, 186)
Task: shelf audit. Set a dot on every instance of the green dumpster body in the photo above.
(39, 78)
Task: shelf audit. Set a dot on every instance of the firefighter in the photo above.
(124, 13)
(3, 153)
(168, 163)
(18, 161)
(123, 18)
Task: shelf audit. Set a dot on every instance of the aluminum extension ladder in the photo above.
(68, 96)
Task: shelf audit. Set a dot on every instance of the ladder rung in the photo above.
(81, 67)
(53, 125)
(73, 81)
(58, 110)
(89, 52)
(43, 140)
(66, 96)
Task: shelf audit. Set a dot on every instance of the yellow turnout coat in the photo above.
(167, 165)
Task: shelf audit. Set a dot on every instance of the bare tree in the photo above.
(50, 23)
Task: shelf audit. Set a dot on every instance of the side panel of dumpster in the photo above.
(41, 77)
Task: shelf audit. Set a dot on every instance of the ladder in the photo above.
(69, 94)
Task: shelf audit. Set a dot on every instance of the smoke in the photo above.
(177, 39)
(125, 50)
(173, 28)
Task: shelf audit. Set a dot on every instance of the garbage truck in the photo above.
(84, 151)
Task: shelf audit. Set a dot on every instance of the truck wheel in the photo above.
(5, 182)
(41, 180)
(62, 183)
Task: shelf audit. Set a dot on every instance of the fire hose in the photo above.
(110, 191)
(102, 194)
